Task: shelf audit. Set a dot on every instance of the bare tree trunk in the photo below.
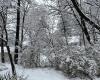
(2, 49)
(7, 46)
(11, 60)
(4, 20)
(17, 33)
(9, 54)
(75, 4)
(2, 45)
(83, 18)
(63, 24)
(22, 31)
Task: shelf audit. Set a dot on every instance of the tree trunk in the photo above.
(17, 33)
(4, 19)
(22, 31)
(2, 45)
(11, 61)
(75, 4)
(2, 49)
(8, 49)
(63, 24)
(10, 56)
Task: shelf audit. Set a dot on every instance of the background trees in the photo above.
(3, 15)
(17, 33)
(65, 33)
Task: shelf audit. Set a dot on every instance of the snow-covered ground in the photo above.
(11, 49)
(36, 73)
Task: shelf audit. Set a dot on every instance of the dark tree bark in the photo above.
(63, 24)
(2, 49)
(85, 19)
(11, 60)
(10, 56)
(4, 18)
(82, 24)
(75, 4)
(17, 33)
(1, 41)
(3, 15)
(85, 31)
(8, 49)
(22, 30)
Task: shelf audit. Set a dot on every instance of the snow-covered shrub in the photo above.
(8, 76)
(80, 63)
(78, 66)
(29, 58)
(96, 56)
(57, 58)
(75, 63)
(44, 62)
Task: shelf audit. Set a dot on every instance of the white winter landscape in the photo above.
(37, 73)
(49, 39)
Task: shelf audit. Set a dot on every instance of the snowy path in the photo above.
(38, 73)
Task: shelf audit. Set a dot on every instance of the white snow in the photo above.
(73, 39)
(5, 49)
(38, 73)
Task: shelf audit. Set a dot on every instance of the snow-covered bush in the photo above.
(75, 63)
(44, 62)
(8, 76)
(29, 58)
(81, 63)
(78, 66)
(96, 57)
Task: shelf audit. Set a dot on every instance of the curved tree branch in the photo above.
(81, 14)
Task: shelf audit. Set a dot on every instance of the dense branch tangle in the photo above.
(85, 18)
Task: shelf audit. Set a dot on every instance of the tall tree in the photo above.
(24, 10)
(1, 41)
(4, 22)
(17, 33)
(83, 16)
(2, 47)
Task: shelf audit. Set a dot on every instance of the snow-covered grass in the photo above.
(37, 73)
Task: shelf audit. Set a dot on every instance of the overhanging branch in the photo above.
(83, 16)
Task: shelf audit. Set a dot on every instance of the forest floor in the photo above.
(36, 73)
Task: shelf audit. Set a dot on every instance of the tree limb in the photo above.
(83, 16)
